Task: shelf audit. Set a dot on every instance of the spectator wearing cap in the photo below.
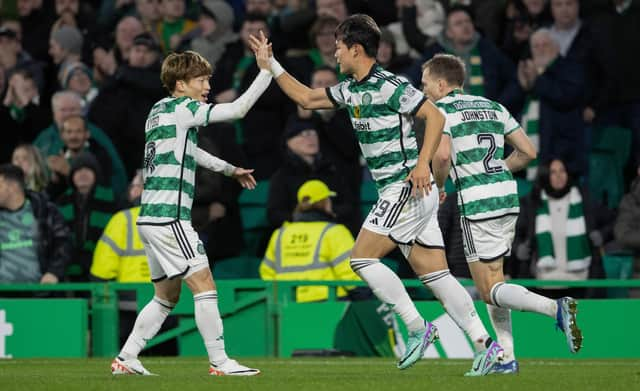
(35, 243)
(216, 30)
(312, 246)
(260, 131)
(77, 77)
(13, 57)
(65, 46)
(86, 207)
(303, 162)
(489, 72)
(126, 97)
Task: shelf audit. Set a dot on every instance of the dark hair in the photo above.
(448, 67)
(13, 174)
(461, 8)
(360, 29)
(256, 17)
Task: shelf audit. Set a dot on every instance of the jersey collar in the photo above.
(374, 69)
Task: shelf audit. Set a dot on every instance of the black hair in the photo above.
(256, 17)
(360, 29)
(13, 174)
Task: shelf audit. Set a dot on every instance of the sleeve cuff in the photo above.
(330, 96)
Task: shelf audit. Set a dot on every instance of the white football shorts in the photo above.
(488, 240)
(173, 250)
(405, 219)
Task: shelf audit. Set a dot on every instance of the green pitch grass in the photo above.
(348, 374)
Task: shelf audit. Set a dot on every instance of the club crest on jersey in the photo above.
(356, 111)
(366, 98)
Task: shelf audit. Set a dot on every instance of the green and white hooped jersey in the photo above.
(171, 142)
(381, 107)
(477, 127)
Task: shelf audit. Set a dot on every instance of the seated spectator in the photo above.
(552, 88)
(34, 239)
(489, 72)
(65, 104)
(303, 162)
(216, 30)
(173, 26)
(34, 168)
(126, 97)
(86, 207)
(560, 232)
(22, 114)
(76, 139)
(312, 247)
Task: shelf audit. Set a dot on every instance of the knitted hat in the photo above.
(218, 10)
(295, 126)
(86, 160)
(146, 39)
(69, 70)
(69, 38)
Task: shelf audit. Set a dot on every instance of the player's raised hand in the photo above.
(420, 178)
(244, 177)
(263, 54)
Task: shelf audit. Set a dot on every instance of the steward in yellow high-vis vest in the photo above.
(311, 247)
(119, 254)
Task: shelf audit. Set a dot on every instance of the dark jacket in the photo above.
(121, 110)
(499, 73)
(284, 184)
(54, 246)
(560, 90)
(263, 125)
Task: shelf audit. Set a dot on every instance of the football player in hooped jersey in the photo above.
(173, 249)
(471, 152)
(381, 106)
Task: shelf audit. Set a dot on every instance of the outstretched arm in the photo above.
(304, 96)
(241, 106)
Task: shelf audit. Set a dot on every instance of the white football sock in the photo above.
(458, 304)
(388, 288)
(147, 324)
(210, 325)
(501, 320)
(520, 298)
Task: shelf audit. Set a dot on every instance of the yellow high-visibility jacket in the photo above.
(309, 250)
(119, 254)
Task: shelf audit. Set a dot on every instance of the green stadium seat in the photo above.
(368, 197)
(610, 151)
(257, 196)
(243, 266)
(617, 267)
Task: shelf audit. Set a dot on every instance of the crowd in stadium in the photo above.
(78, 78)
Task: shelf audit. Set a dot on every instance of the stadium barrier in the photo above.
(262, 319)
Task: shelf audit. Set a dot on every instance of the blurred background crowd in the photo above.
(78, 78)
